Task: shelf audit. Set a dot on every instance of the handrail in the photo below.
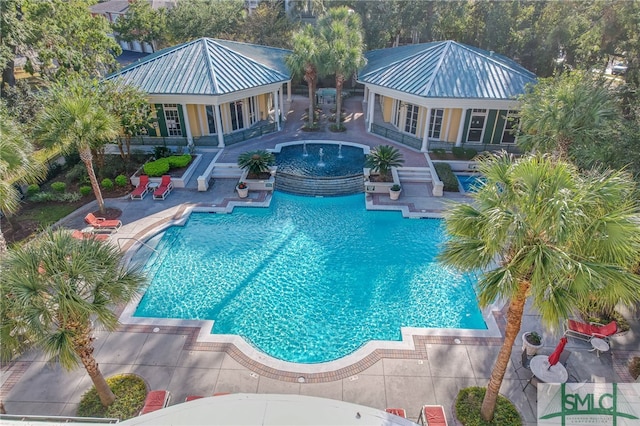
(135, 239)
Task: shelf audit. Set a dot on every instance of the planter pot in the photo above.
(530, 347)
(242, 192)
(394, 195)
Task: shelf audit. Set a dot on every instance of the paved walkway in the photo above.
(170, 357)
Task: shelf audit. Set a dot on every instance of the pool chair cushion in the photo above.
(155, 400)
(101, 222)
(586, 331)
(432, 415)
(141, 190)
(164, 189)
(400, 412)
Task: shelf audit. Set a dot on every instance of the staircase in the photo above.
(414, 174)
(319, 186)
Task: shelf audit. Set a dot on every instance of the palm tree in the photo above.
(54, 290)
(562, 112)
(382, 158)
(16, 166)
(73, 118)
(303, 60)
(256, 162)
(342, 48)
(540, 230)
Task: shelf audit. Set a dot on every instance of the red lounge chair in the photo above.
(432, 415)
(584, 331)
(155, 400)
(192, 398)
(79, 235)
(397, 412)
(164, 189)
(141, 189)
(102, 223)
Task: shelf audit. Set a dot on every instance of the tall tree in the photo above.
(205, 18)
(54, 290)
(540, 230)
(342, 48)
(561, 113)
(14, 33)
(142, 23)
(16, 166)
(303, 62)
(267, 25)
(75, 119)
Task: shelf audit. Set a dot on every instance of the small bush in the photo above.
(107, 184)
(469, 153)
(157, 167)
(314, 128)
(336, 128)
(177, 161)
(78, 173)
(121, 180)
(130, 391)
(32, 189)
(42, 197)
(634, 367)
(69, 197)
(161, 152)
(85, 190)
(447, 177)
(458, 151)
(59, 186)
(468, 406)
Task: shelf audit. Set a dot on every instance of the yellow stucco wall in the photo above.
(456, 116)
(262, 106)
(194, 119)
(422, 116)
(387, 107)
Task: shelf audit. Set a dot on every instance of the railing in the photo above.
(57, 419)
(254, 132)
(158, 140)
(394, 135)
(480, 147)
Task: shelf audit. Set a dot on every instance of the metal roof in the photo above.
(206, 67)
(446, 69)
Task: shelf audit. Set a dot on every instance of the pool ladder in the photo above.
(137, 240)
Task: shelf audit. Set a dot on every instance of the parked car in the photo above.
(618, 69)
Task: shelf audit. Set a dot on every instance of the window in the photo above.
(253, 110)
(237, 121)
(397, 109)
(435, 123)
(411, 119)
(172, 119)
(510, 127)
(211, 119)
(476, 125)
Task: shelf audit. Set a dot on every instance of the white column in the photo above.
(186, 125)
(281, 92)
(366, 93)
(202, 109)
(370, 106)
(425, 138)
(218, 117)
(461, 126)
(289, 91)
(448, 112)
(276, 108)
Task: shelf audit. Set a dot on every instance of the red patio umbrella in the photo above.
(555, 356)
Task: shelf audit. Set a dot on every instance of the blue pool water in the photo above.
(305, 160)
(308, 279)
(470, 182)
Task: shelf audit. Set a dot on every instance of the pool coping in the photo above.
(411, 346)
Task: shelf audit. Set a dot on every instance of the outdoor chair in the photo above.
(102, 223)
(400, 412)
(79, 235)
(533, 381)
(432, 415)
(164, 189)
(192, 398)
(155, 400)
(141, 190)
(587, 331)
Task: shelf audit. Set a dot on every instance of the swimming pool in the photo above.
(309, 279)
(470, 183)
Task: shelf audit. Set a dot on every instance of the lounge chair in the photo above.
(192, 398)
(432, 415)
(155, 400)
(102, 223)
(397, 412)
(164, 189)
(141, 189)
(79, 235)
(587, 331)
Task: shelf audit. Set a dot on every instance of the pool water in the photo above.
(470, 183)
(308, 279)
(306, 160)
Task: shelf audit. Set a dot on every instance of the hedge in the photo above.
(468, 406)
(163, 165)
(177, 161)
(447, 177)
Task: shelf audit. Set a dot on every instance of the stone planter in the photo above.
(394, 195)
(531, 348)
(242, 192)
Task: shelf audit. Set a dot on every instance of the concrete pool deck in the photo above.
(170, 357)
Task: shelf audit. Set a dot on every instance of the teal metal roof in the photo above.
(206, 67)
(446, 69)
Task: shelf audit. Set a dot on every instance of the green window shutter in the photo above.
(161, 123)
(502, 114)
(183, 125)
(489, 126)
(465, 128)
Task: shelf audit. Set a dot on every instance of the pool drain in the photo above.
(301, 379)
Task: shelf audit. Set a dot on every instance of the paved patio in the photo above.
(172, 358)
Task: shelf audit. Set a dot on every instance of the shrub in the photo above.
(314, 128)
(336, 128)
(177, 161)
(78, 173)
(130, 391)
(382, 158)
(107, 184)
(439, 151)
(458, 151)
(161, 152)
(69, 197)
(85, 190)
(447, 177)
(32, 189)
(42, 197)
(634, 367)
(469, 402)
(122, 180)
(59, 186)
(469, 153)
(157, 167)
(256, 162)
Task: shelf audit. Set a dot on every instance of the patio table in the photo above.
(540, 368)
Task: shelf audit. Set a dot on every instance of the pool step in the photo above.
(319, 186)
(226, 170)
(414, 174)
